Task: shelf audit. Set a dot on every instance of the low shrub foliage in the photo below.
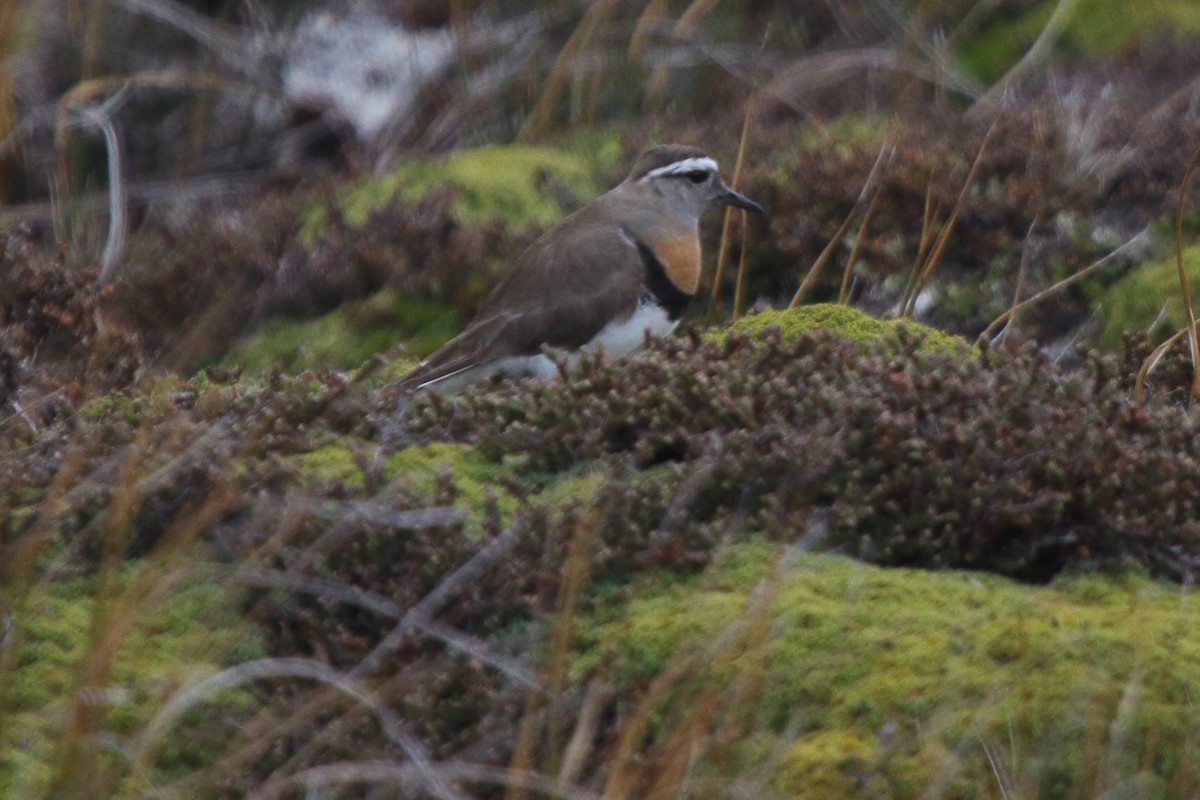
(1003, 462)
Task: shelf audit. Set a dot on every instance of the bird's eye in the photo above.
(697, 176)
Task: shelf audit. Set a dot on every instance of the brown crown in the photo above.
(662, 155)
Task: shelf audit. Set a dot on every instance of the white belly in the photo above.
(618, 338)
(622, 337)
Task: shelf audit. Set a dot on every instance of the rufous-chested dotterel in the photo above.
(625, 264)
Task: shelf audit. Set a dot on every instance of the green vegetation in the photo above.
(520, 184)
(846, 135)
(1148, 295)
(898, 680)
(1097, 29)
(479, 484)
(811, 554)
(846, 322)
(59, 632)
(347, 336)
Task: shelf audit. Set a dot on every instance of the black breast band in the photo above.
(660, 287)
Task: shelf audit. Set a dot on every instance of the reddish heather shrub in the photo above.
(1002, 462)
(56, 344)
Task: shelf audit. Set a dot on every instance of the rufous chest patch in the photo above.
(680, 257)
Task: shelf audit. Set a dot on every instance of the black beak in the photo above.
(731, 198)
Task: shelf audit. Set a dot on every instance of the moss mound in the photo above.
(520, 184)
(895, 681)
(348, 336)
(846, 322)
(61, 632)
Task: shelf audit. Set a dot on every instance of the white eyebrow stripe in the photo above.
(686, 165)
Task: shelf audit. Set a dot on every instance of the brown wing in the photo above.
(561, 292)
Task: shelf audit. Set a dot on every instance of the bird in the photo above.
(624, 265)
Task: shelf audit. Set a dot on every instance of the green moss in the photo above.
(334, 462)
(347, 336)
(194, 629)
(896, 674)
(520, 184)
(988, 55)
(1097, 29)
(846, 135)
(829, 764)
(148, 403)
(477, 480)
(845, 321)
(1137, 300)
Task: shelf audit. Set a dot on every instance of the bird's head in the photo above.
(687, 179)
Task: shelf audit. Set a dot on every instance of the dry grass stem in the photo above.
(564, 73)
(152, 193)
(378, 604)
(1139, 386)
(885, 156)
(727, 220)
(1000, 782)
(723, 246)
(844, 289)
(623, 779)
(575, 572)
(1020, 278)
(650, 18)
(990, 330)
(1184, 287)
(819, 265)
(224, 43)
(579, 747)
(928, 214)
(811, 74)
(935, 255)
(683, 32)
(9, 44)
(524, 746)
(741, 273)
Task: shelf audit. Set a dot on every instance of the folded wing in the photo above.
(560, 293)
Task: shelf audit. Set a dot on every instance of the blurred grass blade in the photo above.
(563, 73)
(654, 13)
(86, 90)
(1035, 55)
(990, 330)
(685, 26)
(1020, 278)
